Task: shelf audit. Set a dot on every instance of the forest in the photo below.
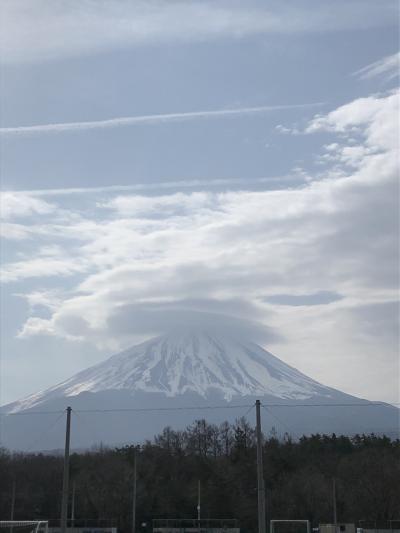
(298, 476)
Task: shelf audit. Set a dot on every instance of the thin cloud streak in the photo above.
(44, 30)
(187, 184)
(146, 119)
(387, 68)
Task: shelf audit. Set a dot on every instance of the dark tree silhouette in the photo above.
(298, 475)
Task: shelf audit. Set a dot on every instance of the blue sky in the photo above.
(253, 175)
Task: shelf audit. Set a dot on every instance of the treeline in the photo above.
(298, 476)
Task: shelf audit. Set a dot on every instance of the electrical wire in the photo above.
(25, 413)
(250, 409)
(203, 408)
(213, 407)
(45, 432)
(158, 409)
(366, 404)
(89, 427)
(269, 411)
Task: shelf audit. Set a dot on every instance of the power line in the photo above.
(44, 433)
(87, 425)
(369, 404)
(248, 410)
(212, 407)
(280, 421)
(203, 408)
(25, 413)
(157, 409)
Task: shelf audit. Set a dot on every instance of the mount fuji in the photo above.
(127, 397)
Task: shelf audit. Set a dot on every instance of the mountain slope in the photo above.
(173, 380)
(195, 362)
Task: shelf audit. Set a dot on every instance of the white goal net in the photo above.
(290, 526)
(24, 526)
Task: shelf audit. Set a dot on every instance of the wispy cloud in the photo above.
(146, 119)
(44, 29)
(157, 186)
(19, 204)
(387, 68)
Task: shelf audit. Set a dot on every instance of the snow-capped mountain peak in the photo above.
(200, 362)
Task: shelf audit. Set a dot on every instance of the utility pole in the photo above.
(73, 505)
(13, 491)
(64, 503)
(334, 502)
(260, 478)
(134, 493)
(199, 501)
(198, 505)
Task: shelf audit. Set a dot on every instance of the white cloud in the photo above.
(15, 232)
(144, 119)
(387, 68)
(374, 120)
(15, 204)
(374, 117)
(370, 121)
(218, 246)
(48, 29)
(160, 206)
(39, 267)
(49, 299)
(280, 128)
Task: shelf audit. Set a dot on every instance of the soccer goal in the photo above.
(289, 526)
(24, 526)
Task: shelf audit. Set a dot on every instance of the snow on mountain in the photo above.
(175, 378)
(197, 362)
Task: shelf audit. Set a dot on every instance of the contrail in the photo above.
(138, 187)
(144, 119)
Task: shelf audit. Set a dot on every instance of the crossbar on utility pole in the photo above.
(260, 476)
(64, 503)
